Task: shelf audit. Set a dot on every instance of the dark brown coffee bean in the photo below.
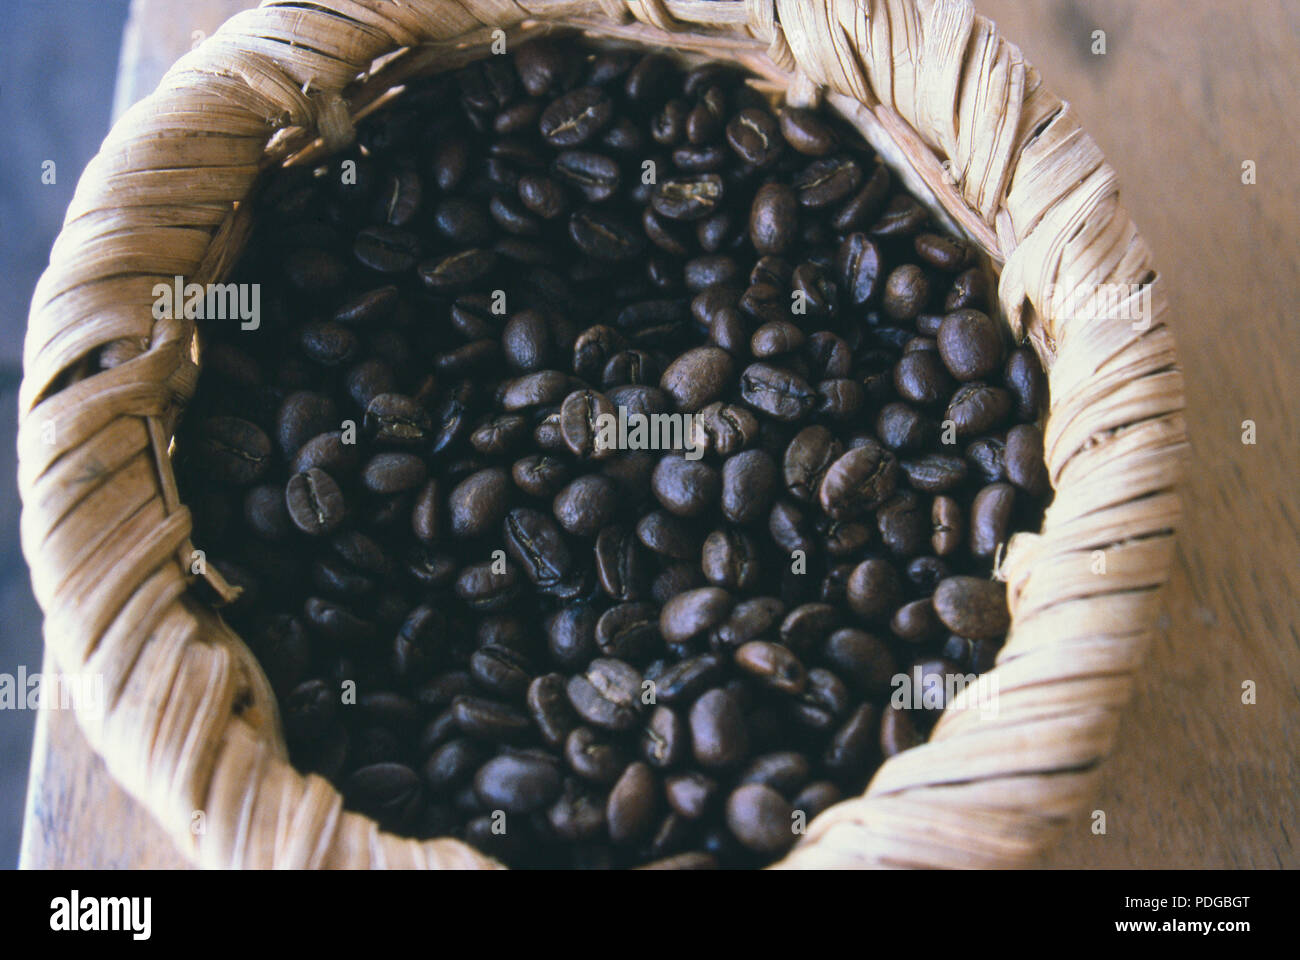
(921, 378)
(687, 488)
(779, 393)
(633, 801)
(817, 798)
(688, 198)
(990, 518)
(389, 792)
(854, 744)
(629, 631)
(901, 427)
(898, 732)
(1025, 379)
(388, 473)
(697, 378)
(517, 783)
(755, 136)
(860, 480)
(576, 117)
(969, 291)
(602, 236)
(935, 472)
(970, 345)
(906, 292)
(730, 560)
(386, 249)
(784, 771)
(946, 526)
(874, 590)
(859, 265)
(665, 739)
(691, 795)
(693, 613)
(972, 607)
(478, 504)
(773, 664)
(977, 408)
(718, 736)
(607, 695)
(392, 418)
(827, 181)
(1024, 459)
(534, 542)
(489, 720)
(773, 218)
(315, 503)
(942, 252)
(807, 133)
(761, 819)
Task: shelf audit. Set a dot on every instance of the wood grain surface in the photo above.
(1186, 93)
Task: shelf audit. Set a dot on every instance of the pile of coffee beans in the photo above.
(487, 616)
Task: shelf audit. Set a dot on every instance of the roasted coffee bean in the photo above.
(694, 612)
(921, 378)
(749, 483)
(946, 525)
(592, 757)
(1024, 378)
(778, 393)
(972, 607)
(603, 236)
(807, 133)
(628, 631)
(970, 345)
(784, 771)
(665, 739)
(391, 418)
(730, 560)
(314, 501)
(860, 480)
(671, 536)
(489, 720)
(773, 664)
(807, 458)
(898, 732)
(387, 473)
(633, 801)
(687, 488)
(578, 815)
(906, 292)
(697, 378)
(571, 636)
(827, 181)
(479, 503)
(576, 117)
(969, 291)
(688, 198)
(851, 748)
(773, 218)
(874, 589)
(718, 736)
(607, 695)
(1024, 459)
(755, 136)
(942, 252)
(816, 798)
(386, 249)
(761, 819)
(990, 518)
(451, 765)
(901, 427)
(500, 671)
(723, 429)
(691, 795)
(535, 543)
(806, 624)
(517, 783)
(977, 408)
(389, 792)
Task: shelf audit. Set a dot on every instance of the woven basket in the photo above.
(189, 723)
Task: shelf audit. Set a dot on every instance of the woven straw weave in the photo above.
(189, 722)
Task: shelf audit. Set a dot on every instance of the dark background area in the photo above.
(56, 93)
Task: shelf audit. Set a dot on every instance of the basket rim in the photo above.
(1036, 196)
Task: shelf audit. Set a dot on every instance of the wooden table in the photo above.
(1186, 93)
